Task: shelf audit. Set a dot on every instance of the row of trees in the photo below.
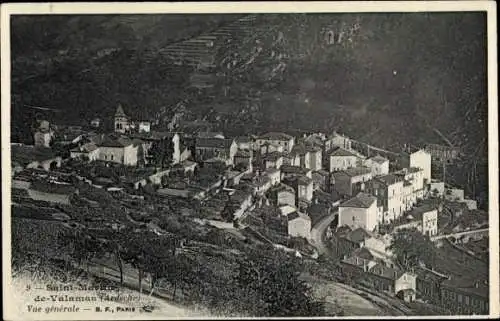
(262, 283)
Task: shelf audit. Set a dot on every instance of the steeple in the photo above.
(121, 120)
(120, 112)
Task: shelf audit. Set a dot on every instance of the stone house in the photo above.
(273, 160)
(419, 159)
(360, 211)
(351, 181)
(119, 150)
(303, 187)
(348, 240)
(223, 149)
(321, 180)
(378, 164)
(274, 175)
(389, 190)
(436, 188)
(342, 159)
(176, 146)
(338, 140)
(291, 159)
(282, 195)
(244, 143)
(288, 171)
(315, 157)
(303, 154)
(244, 158)
(380, 277)
(299, 225)
(423, 218)
(282, 139)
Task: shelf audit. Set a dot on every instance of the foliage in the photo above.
(412, 247)
(275, 280)
(161, 152)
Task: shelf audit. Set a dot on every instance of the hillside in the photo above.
(388, 83)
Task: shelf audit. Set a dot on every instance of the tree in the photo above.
(85, 246)
(160, 151)
(412, 247)
(275, 278)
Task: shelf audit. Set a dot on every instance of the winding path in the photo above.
(318, 233)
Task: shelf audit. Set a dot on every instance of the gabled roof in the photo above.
(353, 172)
(119, 111)
(299, 149)
(389, 179)
(361, 200)
(379, 159)
(275, 136)
(116, 142)
(287, 209)
(418, 212)
(299, 180)
(295, 215)
(342, 152)
(220, 143)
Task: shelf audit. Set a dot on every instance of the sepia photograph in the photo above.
(254, 160)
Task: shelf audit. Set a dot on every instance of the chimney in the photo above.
(395, 274)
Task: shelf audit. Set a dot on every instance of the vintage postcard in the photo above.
(249, 160)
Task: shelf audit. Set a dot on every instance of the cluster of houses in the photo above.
(305, 178)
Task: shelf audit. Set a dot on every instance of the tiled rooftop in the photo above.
(389, 179)
(362, 200)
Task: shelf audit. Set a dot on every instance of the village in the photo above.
(312, 196)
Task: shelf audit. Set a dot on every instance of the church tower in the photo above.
(121, 120)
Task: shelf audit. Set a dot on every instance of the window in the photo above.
(459, 298)
(105, 157)
(354, 219)
(466, 299)
(112, 157)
